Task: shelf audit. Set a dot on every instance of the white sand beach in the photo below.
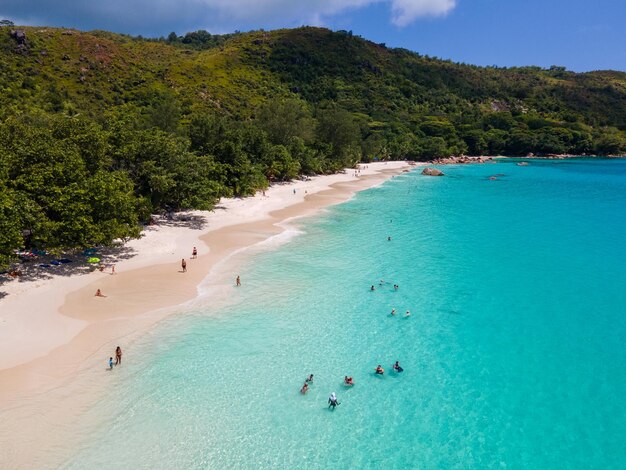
(50, 327)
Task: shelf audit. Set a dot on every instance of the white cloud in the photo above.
(160, 16)
(405, 12)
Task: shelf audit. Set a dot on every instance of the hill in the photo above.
(98, 129)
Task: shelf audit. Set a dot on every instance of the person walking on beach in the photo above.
(238, 281)
(112, 269)
(118, 356)
(110, 363)
(183, 264)
(194, 253)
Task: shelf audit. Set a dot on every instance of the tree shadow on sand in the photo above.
(43, 267)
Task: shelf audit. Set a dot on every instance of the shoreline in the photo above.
(51, 328)
(44, 399)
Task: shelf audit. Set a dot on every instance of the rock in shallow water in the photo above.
(432, 172)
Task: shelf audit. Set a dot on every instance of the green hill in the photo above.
(97, 129)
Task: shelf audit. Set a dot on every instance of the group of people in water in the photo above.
(348, 381)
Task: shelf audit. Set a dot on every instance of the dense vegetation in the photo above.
(99, 130)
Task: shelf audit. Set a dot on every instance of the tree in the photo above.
(285, 119)
(337, 127)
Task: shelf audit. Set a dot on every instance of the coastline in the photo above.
(46, 389)
(50, 328)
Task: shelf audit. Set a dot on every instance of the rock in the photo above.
(432, 172)
(19, 35)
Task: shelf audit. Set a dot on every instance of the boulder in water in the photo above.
(432, 172)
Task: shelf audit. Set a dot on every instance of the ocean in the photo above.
(513, 355)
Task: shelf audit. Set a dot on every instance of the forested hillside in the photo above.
(98, 130)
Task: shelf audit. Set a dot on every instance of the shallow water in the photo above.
(513, 354)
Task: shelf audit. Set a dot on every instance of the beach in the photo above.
(512, 355)
(53, 330)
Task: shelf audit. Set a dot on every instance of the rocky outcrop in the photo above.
(432, 172)
(19, 35)
(462, 159)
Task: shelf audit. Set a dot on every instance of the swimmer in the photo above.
(309, 379)
(395, 287)
(388, 239)
(379, 370)
(407, 314)
(348, 380)
(332, 401)
(304, 389)
(397, 367)
(372, 288)
(393, 311)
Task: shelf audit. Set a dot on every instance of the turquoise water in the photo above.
(514, 353)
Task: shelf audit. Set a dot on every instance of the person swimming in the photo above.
(348, 380)
(379, 370)
(304, 389)
(407, 314)
(393, 311)
(309, 379)
(372, 288)
(333, 401)
(397, 367)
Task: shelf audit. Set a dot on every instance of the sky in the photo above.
(581, 35)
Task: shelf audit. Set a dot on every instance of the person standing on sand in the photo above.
(112, 269)
(110, 363)
(238, 281)
(194, 253)
(183, 265)
(118, 356)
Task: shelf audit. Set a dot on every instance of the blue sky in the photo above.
(579, 34)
